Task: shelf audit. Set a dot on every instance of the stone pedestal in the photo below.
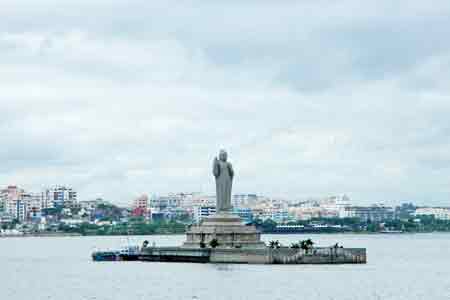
(227, 229)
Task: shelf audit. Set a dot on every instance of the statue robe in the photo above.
(223, 172)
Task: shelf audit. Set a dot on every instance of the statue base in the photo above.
(227, 229)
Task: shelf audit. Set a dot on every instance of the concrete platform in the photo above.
(284, 255)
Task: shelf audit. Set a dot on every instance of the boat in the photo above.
(130, 253)
(105, 256)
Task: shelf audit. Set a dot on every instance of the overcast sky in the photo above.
(310, 98)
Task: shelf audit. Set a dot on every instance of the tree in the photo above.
(274, 244)
(269, 225)
(214, 243)
(306, 244)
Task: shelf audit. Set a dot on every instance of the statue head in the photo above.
(223, 155)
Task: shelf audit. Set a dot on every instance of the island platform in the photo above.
(224, 238)
(267, 255)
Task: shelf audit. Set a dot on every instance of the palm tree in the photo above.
(214, 243)
(274, 244)
(306, 244)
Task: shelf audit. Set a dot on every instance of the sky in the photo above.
(309, 98)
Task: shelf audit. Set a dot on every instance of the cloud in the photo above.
(309, 99)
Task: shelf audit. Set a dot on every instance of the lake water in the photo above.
(415, 266)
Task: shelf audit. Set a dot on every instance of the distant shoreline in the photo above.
(57, 234)
(61, 234)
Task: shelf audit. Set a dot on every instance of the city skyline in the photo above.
(151, 196)
(326, 102)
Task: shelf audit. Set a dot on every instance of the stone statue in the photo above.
(223, 172)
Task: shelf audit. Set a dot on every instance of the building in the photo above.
(60, 196)
(19, 205)
(34, 204)
(141, 202)
(201, 212)
(91, 205)
(13, 204)
(370, 213)
(245, 213)
(4, 218)
(140, 206)
(2, 204)
(306, 213)
(405, 211)
(166, 202)
(328, 207)
(440, 213)
(202, 200)
(244, 200)
(185, 200)
(25, 206)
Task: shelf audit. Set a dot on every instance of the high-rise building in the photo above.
(12, 202)
(2, 201)
(60, 196)
(141, 202)
(21, 205)
(34, 204)
(141, 206)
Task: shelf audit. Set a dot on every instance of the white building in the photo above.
(440, 213)
(91, 205)
(244, 200)
(34, 204)
(328, 207)
(166, 202)
(201, 212)
(180, 200)
(202, 200)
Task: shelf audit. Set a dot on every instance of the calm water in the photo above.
(399, 267)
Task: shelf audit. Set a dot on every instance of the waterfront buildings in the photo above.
(375, 213)
(14, 202)
(61, 203)
(327, 207)
(22, 206)
(440, 213)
